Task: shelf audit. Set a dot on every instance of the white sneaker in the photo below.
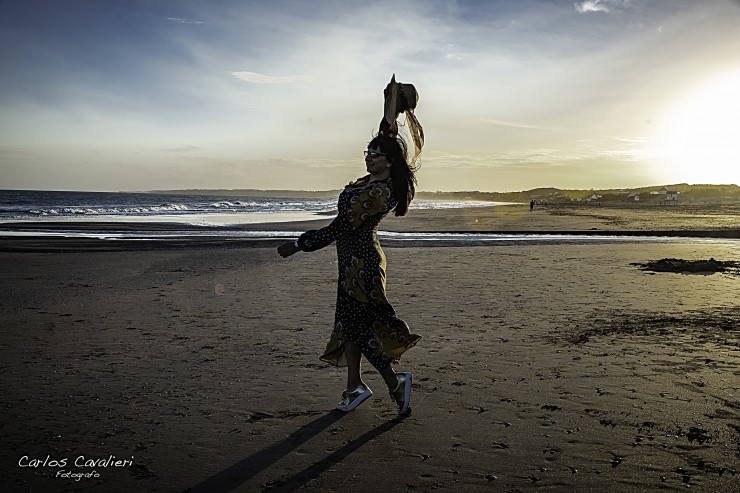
(402, 393)
(353, 398)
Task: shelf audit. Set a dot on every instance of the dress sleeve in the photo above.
(366, 203)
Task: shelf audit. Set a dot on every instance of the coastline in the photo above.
(721, 222)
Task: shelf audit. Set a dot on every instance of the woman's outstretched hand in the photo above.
(287, 249)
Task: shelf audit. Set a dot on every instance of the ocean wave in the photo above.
(92, 211)
(222, 205)
(448, 204)
(38, 204)
(172, 207)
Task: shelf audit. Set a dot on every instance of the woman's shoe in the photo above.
(353, 398)
(402, 394)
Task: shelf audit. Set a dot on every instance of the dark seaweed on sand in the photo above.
(691, 266)
(722, 323)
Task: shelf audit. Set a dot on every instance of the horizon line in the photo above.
(339, 189)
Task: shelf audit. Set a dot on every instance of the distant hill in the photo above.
(552, 195)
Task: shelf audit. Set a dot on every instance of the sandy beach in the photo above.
(544, 366)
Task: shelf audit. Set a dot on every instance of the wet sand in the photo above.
(543, 367)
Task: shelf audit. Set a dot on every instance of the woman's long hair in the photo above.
(403, 173)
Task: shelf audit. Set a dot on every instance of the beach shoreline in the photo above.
(670, 222)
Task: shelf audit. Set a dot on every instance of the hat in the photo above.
(401, 98)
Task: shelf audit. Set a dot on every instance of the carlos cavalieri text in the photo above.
(80, 461)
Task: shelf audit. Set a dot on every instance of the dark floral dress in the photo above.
(363, 315)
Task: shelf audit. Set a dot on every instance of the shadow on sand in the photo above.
(239, 473)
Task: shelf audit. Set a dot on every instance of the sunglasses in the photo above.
(373, 154)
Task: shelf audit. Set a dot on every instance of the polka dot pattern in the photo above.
(363, 314)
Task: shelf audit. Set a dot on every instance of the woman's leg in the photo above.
(357, 392)
(399, 385)
(389, 375)
(354, 357)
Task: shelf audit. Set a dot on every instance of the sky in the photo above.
(513, 94)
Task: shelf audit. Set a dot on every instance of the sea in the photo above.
(167, 215)
(194, 209)
(162, 216)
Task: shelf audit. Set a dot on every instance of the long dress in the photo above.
(363, 314)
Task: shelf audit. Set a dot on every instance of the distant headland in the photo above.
(660, 194)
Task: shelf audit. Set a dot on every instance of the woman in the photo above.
(365, 323)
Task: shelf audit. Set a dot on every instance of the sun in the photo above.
(698, 138)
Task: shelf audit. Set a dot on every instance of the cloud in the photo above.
(631, 141)
(507, 123)
(632, 155)
(14, 151)
(591, 6)
(605, 6)
(529, 157)
(257, 78)
(184, 148)
(326, 163)
(180, 20)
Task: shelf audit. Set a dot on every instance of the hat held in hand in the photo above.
(400, 98)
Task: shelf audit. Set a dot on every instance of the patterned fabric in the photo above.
(363, 314)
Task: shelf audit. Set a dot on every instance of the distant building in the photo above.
(662, 191)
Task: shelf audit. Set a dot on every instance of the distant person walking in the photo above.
(365, 323)
(531, 205)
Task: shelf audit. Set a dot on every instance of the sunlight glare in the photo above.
(699, 137)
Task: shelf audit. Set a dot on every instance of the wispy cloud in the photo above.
(508, 123)
(591, 6)
(539, 157)
(180, 20)
(257, 78)
(634, 155)
(184, 148)
(327, 163)
(631, 141)
(605, 6)
(13, 151)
